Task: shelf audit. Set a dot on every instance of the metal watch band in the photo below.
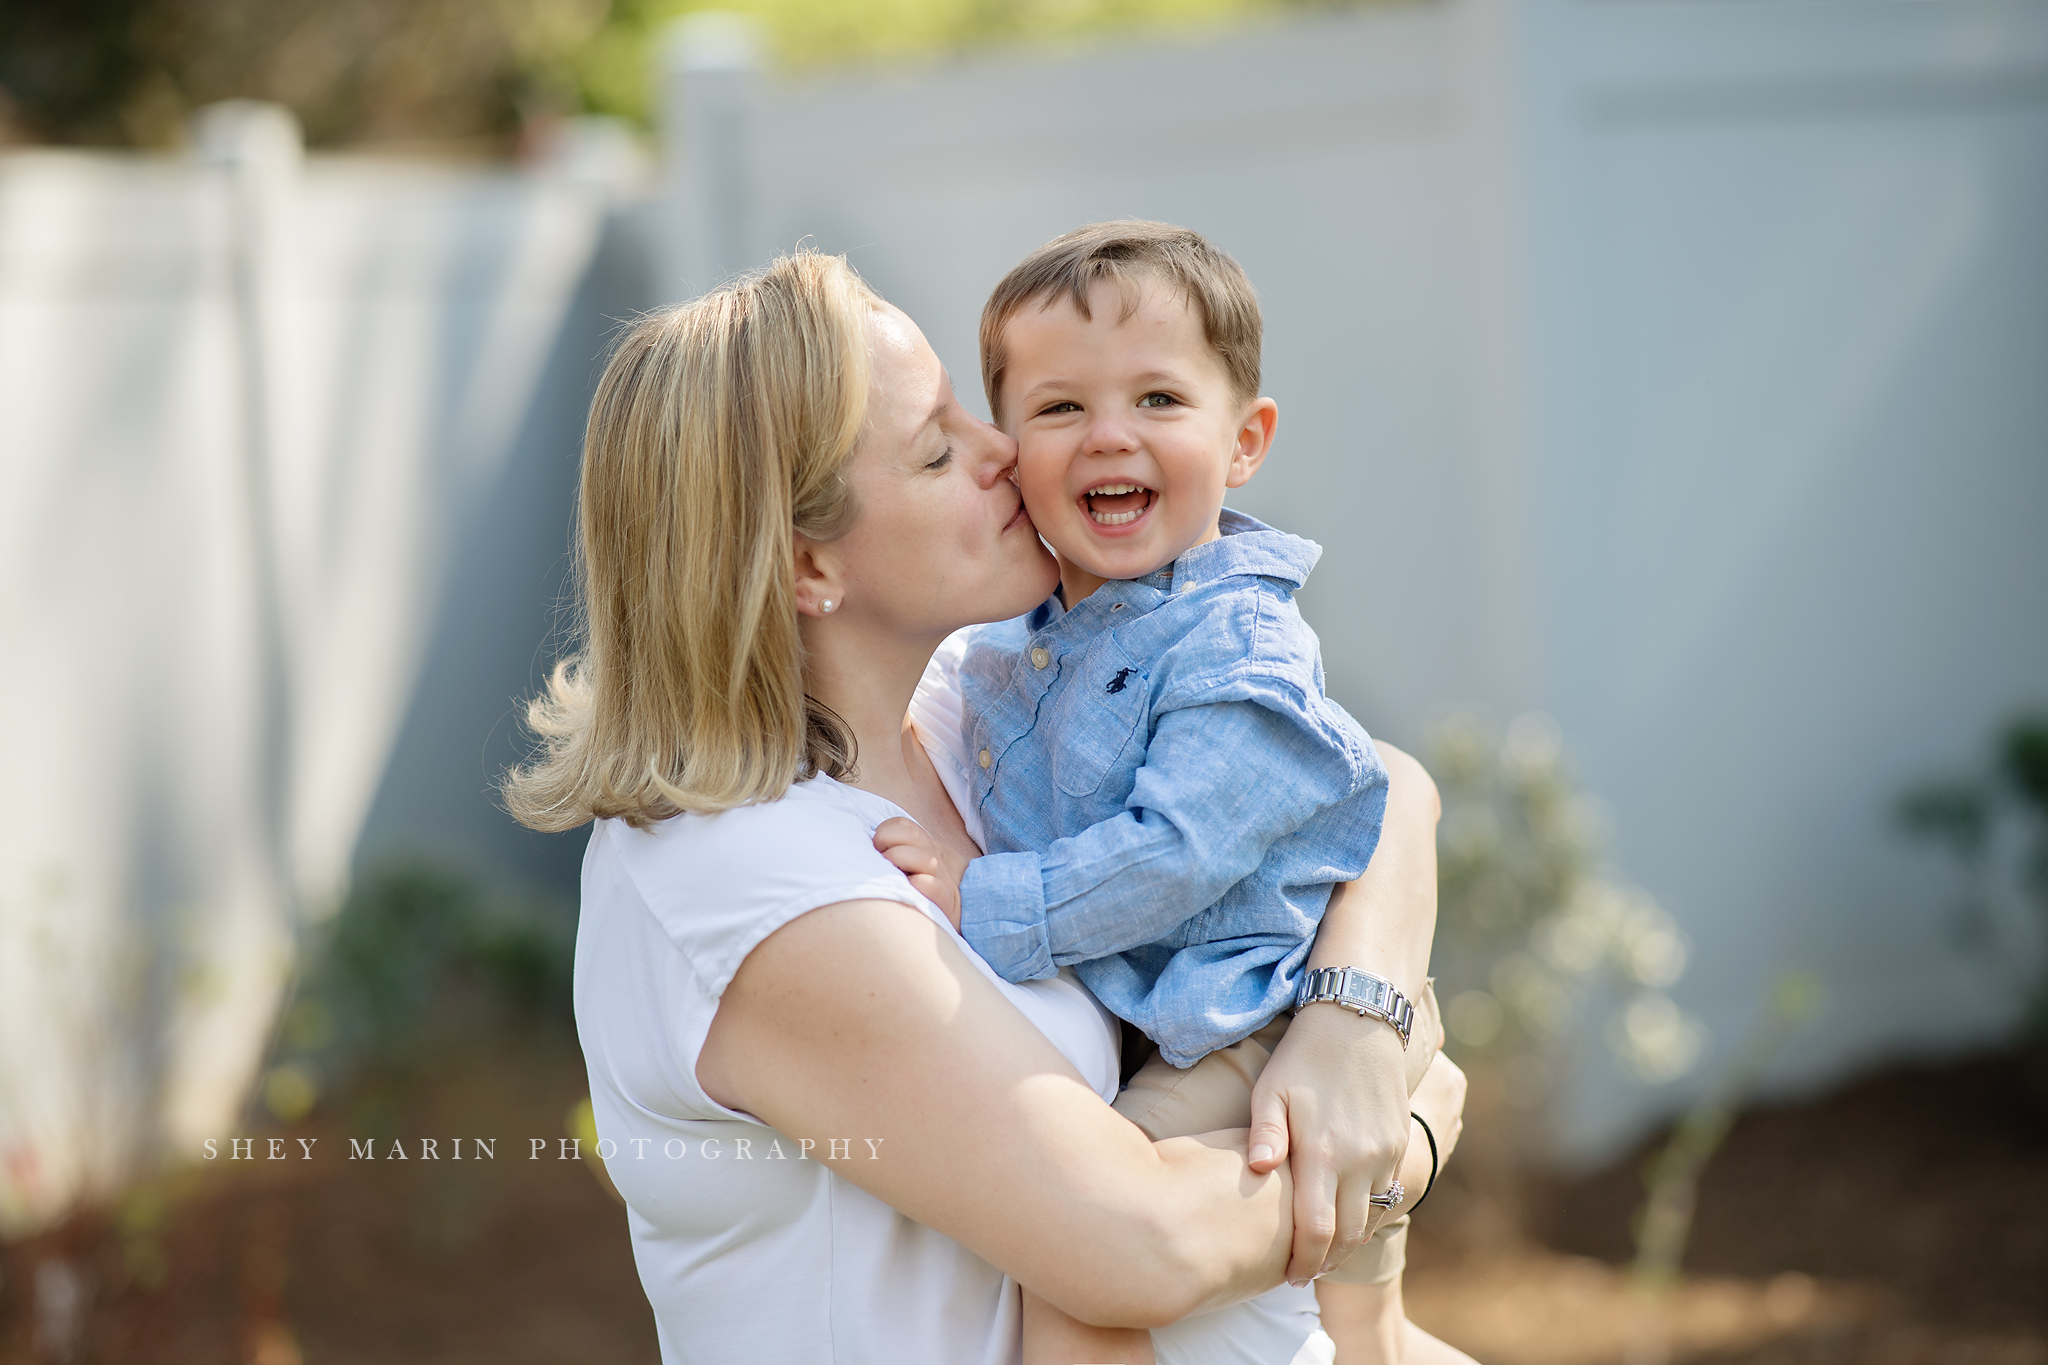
(1372, 996)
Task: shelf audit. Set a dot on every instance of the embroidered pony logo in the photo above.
(1116, 684)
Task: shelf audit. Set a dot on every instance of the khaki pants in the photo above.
(1216, 1092)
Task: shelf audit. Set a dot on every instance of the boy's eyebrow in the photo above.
(1044, 384)
(1061, 382)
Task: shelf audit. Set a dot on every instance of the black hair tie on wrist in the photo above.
(1432, 1161)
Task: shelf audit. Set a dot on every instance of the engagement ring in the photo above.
(1391, 1199)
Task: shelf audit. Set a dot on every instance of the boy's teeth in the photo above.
(1131, 498)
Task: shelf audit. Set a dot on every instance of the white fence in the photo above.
(246, 406)
(1675, 367)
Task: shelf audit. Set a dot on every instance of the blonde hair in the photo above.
(719, 429)
(1123, 252)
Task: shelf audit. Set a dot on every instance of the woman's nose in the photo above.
(995, 455)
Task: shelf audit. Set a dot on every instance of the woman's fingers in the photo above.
(1315, 1215)
(1268, 1143)
(1355, 1210)
(1357, 1217)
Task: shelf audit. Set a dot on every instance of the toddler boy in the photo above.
(1168, 797)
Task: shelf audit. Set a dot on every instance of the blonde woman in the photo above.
(839, 1134)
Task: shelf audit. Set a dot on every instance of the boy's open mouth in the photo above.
(1116, 504)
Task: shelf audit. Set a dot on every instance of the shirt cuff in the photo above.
(1002, 914)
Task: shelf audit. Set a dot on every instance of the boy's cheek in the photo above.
(1039, 478)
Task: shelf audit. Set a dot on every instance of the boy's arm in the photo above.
(1221, 781)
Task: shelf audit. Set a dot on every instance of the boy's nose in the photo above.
(1110, 436)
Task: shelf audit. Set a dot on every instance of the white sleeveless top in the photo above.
(748, 1247)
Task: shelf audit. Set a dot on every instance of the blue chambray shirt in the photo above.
(1167, 795)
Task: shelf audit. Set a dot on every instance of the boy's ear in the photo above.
(1254, 439)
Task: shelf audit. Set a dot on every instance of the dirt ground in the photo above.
(1902, 1221)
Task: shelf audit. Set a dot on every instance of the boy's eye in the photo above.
(1158, 400)
(1055, 409)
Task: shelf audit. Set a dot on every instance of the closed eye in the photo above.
(942, 461)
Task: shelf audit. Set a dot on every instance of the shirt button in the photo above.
(984, 760)
(1039, 657)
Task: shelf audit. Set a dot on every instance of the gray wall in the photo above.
(246, 401)
(505, 618)
(1790, 332)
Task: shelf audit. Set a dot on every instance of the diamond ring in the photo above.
(1391, 1199)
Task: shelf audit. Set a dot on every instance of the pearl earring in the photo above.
(827, 604)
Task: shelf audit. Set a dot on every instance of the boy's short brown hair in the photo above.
(1123, 252)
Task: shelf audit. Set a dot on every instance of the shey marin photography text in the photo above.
(563, 1149)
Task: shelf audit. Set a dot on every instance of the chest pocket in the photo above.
(1097, 719)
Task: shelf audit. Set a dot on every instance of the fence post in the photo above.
(710, 69)
(259, 149)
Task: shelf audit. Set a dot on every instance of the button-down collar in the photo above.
(1247, 547)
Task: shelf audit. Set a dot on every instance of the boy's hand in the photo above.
(1334, 1099)
(934, 872)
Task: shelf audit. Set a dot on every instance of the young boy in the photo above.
(1169, 798)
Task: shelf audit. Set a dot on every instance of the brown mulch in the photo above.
(1901, 1221)
(335, 1261)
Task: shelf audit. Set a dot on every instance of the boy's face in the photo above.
(1127, 431)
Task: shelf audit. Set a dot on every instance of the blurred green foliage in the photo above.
(1671, 1177)
(1533, 935)
(420, 962)
(458, 74)
(1993, 824)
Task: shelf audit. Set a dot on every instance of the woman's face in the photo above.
(940, 538)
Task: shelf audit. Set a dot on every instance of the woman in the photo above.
(835, 1128)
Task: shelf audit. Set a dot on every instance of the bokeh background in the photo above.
(1666, 380)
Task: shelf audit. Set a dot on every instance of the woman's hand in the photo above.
(933, 870)
(1333, 1099)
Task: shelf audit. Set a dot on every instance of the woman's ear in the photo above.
(818, 585)
(1254, 440)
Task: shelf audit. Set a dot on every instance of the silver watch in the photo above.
(1372, 996)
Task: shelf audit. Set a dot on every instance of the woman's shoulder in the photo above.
(718, 884)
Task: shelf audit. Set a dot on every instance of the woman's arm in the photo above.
(863, 1020)
(1335, 1094)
